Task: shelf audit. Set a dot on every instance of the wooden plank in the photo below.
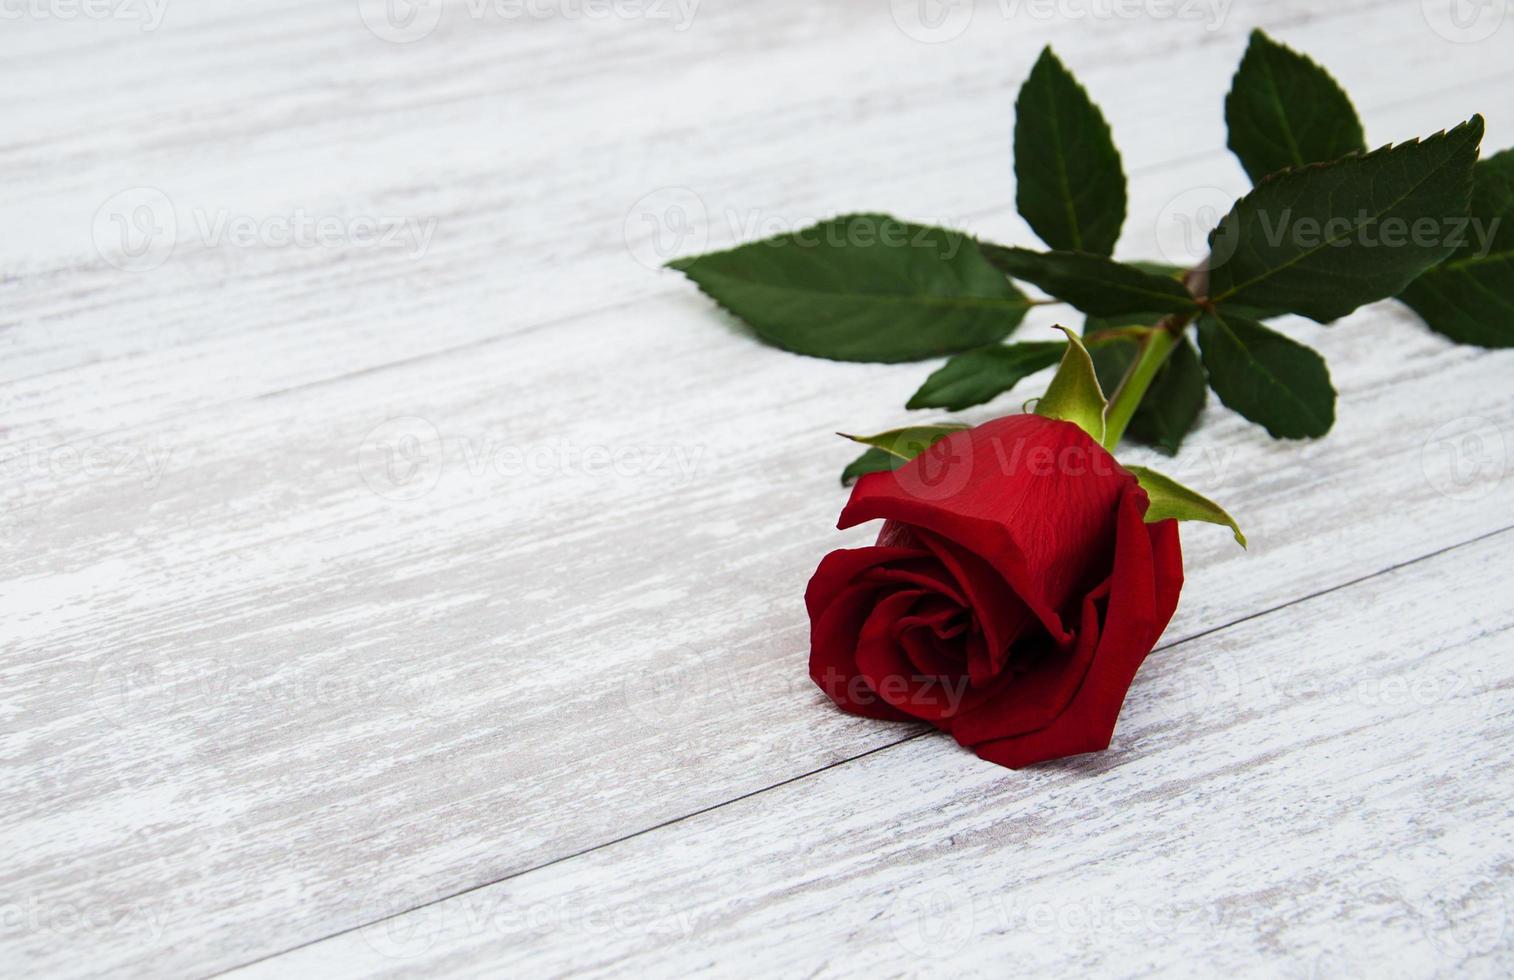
(251, 701)
(450, 136)
(260, 703)
(1320, 791)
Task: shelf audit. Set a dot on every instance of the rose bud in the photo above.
(1014, 590)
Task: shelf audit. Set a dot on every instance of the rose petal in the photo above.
(925, 573)
(1003, 616)
(1019, 704)
(1132, 624)
(833, 656)
(838, 569)
(1168, 554)
(886, 667)
(940, 614)
(925, 651)
(1035, 497)
(838, 607)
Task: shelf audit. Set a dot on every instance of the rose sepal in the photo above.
(1170, 499)
(1074, 394)
(908, 441)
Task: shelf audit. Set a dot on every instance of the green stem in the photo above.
(1160, 342)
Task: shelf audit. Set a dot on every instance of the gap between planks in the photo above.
(693, 814)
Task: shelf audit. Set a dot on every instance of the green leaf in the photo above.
(983, 374)
(1471, 303)
(1491, 214)
(872, 461)
(1284, 111)
(1165, 269)
(1093, 283)
(1326, 238)
(1275, 382)
(892, 449)
(1111, 359)
(1173, 401)
(1470, 296)
(1069, 183)
(1170, 499)
(863, 287)
(1074, 394)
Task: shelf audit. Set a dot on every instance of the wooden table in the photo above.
(402, 574)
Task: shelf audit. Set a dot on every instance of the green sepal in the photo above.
(892, 449)
(1074, 394)
(1170, 499)
(872, 461)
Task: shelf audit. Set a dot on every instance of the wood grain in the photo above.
(535, 177)
(1319, 791)
(270, 675)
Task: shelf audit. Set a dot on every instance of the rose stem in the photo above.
(1160, 342)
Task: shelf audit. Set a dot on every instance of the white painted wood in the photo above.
(256, 694)
(1321, 791)
(465, 132)
(345, 705)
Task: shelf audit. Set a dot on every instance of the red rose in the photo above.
(1014, 590)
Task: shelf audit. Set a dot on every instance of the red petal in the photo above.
(1143, 592)
(838, 605)
(1033, 700)
(1035, 497)
(837, 570)
(886, 667)
(1003, 616)
(1169, 561)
